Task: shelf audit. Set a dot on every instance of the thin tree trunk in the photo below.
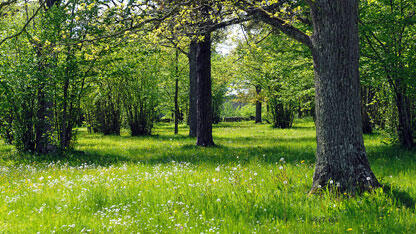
(176, 92)
(405, 127)
(341, 156)
(258, 105)
(64, 141)
(192, 116)
(367, 128)
(204, 95)
(64, 120)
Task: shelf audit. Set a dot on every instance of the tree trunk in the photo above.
(63, 136)
(204, 95)
(44, 110)
(405, 127)
(192, 116)
(341, 156)
(367, 127)
(176, 92)
(258, 105)
(43, 126)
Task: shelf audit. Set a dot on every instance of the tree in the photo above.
(387, 30)
(54, 59)
(341, 155)
(258, 104)
(197, 20)
(204, 94)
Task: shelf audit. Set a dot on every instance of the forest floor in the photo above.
(256, 179)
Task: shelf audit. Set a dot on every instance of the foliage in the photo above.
(167, 83)
(283, 70)
(221, 77)
(44, 74)
(387, 65)
(106, 109)
(137, 71)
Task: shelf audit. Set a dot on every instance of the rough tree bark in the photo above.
(192, 116)
(204, 95)
(340, 156)
(258, 105)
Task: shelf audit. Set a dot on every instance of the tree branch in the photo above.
(229, 23)
(283, 26)
(375, 37)
(24, 27)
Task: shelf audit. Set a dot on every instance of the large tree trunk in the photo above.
(192, 116)
(204, 95)
(258, 104)
(341, 156)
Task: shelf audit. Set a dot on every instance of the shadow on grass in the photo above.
(391, 160)
(190, 153)
(403, 198)
(156, 149)
(233, 125)
(124, 137)
(386, 159)
(267, 139)
(72, 158)
(300, 127)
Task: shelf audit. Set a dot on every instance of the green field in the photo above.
(257, 179)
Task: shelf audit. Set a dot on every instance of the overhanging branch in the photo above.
(283, 26)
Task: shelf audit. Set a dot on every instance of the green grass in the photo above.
(256, 180)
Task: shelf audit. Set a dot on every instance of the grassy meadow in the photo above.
(256, 180)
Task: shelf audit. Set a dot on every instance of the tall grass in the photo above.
(256, 179)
